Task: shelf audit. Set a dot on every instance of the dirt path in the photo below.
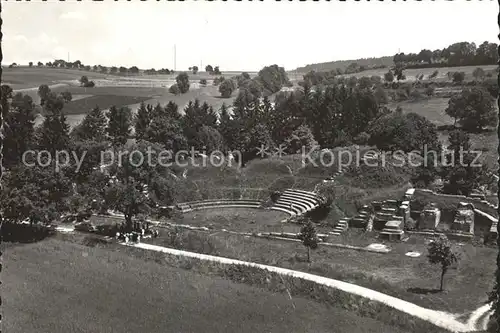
(479, 318)
(438, 318)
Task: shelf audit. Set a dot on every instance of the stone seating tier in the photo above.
(216, 202)
(220, 206)
(306, 193)
(301, 195)
(294, 202)
(298, 197)
(341, 226)
(284, 210)
(244, 201)
(284, 206)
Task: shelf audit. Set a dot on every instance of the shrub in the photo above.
(362, 138)
(458, 77)
(203, 82)
(415, 94)
(219, 80)
(410, 224)
(174, 89)
(429, 91)
(89, 84)
(434, 74)
(275, 195)
(226, 88)
(401, 95)
(182, 82)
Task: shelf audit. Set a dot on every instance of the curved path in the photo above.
(479, 318)
(438, 318)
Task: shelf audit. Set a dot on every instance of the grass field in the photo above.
(432, 109)
(240, 219)
(57, 286)
(411, 279)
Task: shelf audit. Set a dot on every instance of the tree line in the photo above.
(457, 54)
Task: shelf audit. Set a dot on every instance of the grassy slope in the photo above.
(411, 279)
(432, 109)
(56, 286)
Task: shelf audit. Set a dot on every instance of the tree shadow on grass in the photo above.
(25, 233)
(423, 291)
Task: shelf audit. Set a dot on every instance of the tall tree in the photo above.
(473, 109)
(53, 134)
(142, 120)
(119, 125)
(183, 82)
(92, 127)
(19, 129)
(462, 172)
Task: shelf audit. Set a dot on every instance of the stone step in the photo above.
(301, 197)
(283, 210)
(295, 203)
(301, 192)
(334, 233)
(295, 209)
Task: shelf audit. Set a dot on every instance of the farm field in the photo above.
(26, 78)
(58, 286)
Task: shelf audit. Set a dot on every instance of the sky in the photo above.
(236, 36)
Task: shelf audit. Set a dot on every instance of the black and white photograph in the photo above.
(249, 166)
